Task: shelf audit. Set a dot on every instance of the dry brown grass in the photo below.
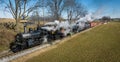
(5, 20)
(6, 36)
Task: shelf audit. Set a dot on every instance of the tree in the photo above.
(55, 8)
(106, 18)
(20, 8)
(74, 9)
(35, 17)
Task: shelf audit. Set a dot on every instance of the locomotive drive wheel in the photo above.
(15, 48)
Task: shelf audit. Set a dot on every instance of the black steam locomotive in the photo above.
(27, 40)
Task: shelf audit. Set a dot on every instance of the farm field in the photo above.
(101, 44)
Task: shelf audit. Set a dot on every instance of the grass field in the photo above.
(101, 44)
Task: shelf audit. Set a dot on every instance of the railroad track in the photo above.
(6, 54)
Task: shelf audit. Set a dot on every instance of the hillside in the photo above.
(5, 20)
(6, 37)
(101, 44)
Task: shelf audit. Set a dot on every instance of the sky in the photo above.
(97, 8)
(103, 7)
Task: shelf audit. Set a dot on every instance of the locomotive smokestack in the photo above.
(25, 29)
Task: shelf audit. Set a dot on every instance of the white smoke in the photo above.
(88, 17)
(92, 16)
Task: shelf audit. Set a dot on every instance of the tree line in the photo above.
(22, 9)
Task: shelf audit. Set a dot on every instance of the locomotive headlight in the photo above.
(53, 32)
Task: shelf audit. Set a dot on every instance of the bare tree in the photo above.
(35, 17)
(74, 9)
(20, 8)
(80, 11)
(106, 19)
(55, 8)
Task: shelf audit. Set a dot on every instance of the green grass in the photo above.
(101, 44)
